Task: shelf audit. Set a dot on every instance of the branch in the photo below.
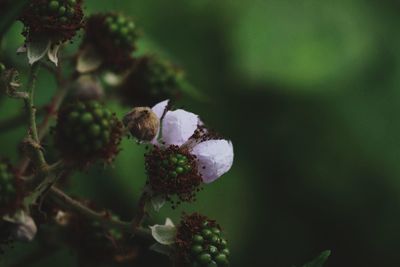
(103, 217)
(31, 109)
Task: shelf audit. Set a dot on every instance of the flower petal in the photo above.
(178, 126)
(215, 157)
(164, 234)
(159, 108)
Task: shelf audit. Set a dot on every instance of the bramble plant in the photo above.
(182, 157)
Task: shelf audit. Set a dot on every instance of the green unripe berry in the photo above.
(204, 258)
(221, 259)
(87, 118)
(212, 264)
(213, 250)
(226, 251)
(61, 10)
(113, 28)
(179, 170)
(95, 130)
(215, 239)
(215, 230)
(198, 239)
(224, 243)
(196, 249)
(72, 2)
(53, 5)
(63, 19)
(206, 233)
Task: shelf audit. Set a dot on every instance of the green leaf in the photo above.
(320, 260)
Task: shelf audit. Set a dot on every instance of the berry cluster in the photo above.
(87, 130)
(172, 171)
(113, 36)
(57, 19)
(200, 242)
(150, 81)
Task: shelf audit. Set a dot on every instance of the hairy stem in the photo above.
(31, 109)
(103, 217)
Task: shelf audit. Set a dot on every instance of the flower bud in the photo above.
(26, 229)
(143, 123)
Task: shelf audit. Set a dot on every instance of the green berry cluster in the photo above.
(175, 165)
(7, 185)
(58, 20)
(209, 248)
(150, 81)
(62, 9)
(121, 29)
(85, 127)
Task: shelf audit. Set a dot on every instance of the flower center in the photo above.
(172, 171)
(176, 164)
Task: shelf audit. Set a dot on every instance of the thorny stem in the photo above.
(51, 112)
(103, 217)
(31, 109)
(141, 212)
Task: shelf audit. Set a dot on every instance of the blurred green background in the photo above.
(308, 91)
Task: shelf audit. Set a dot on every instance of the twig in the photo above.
(102, 217)
(31, 109)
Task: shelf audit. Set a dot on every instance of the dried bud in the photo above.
(143, 123)
(62, 218)
(24, 228)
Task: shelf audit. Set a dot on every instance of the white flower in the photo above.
(215, 157)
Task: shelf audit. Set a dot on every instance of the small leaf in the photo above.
(88, 60)
(157, 202)
(164, 234)
(320, 260)
(162, 249)
(37, 48)
(52, 53)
